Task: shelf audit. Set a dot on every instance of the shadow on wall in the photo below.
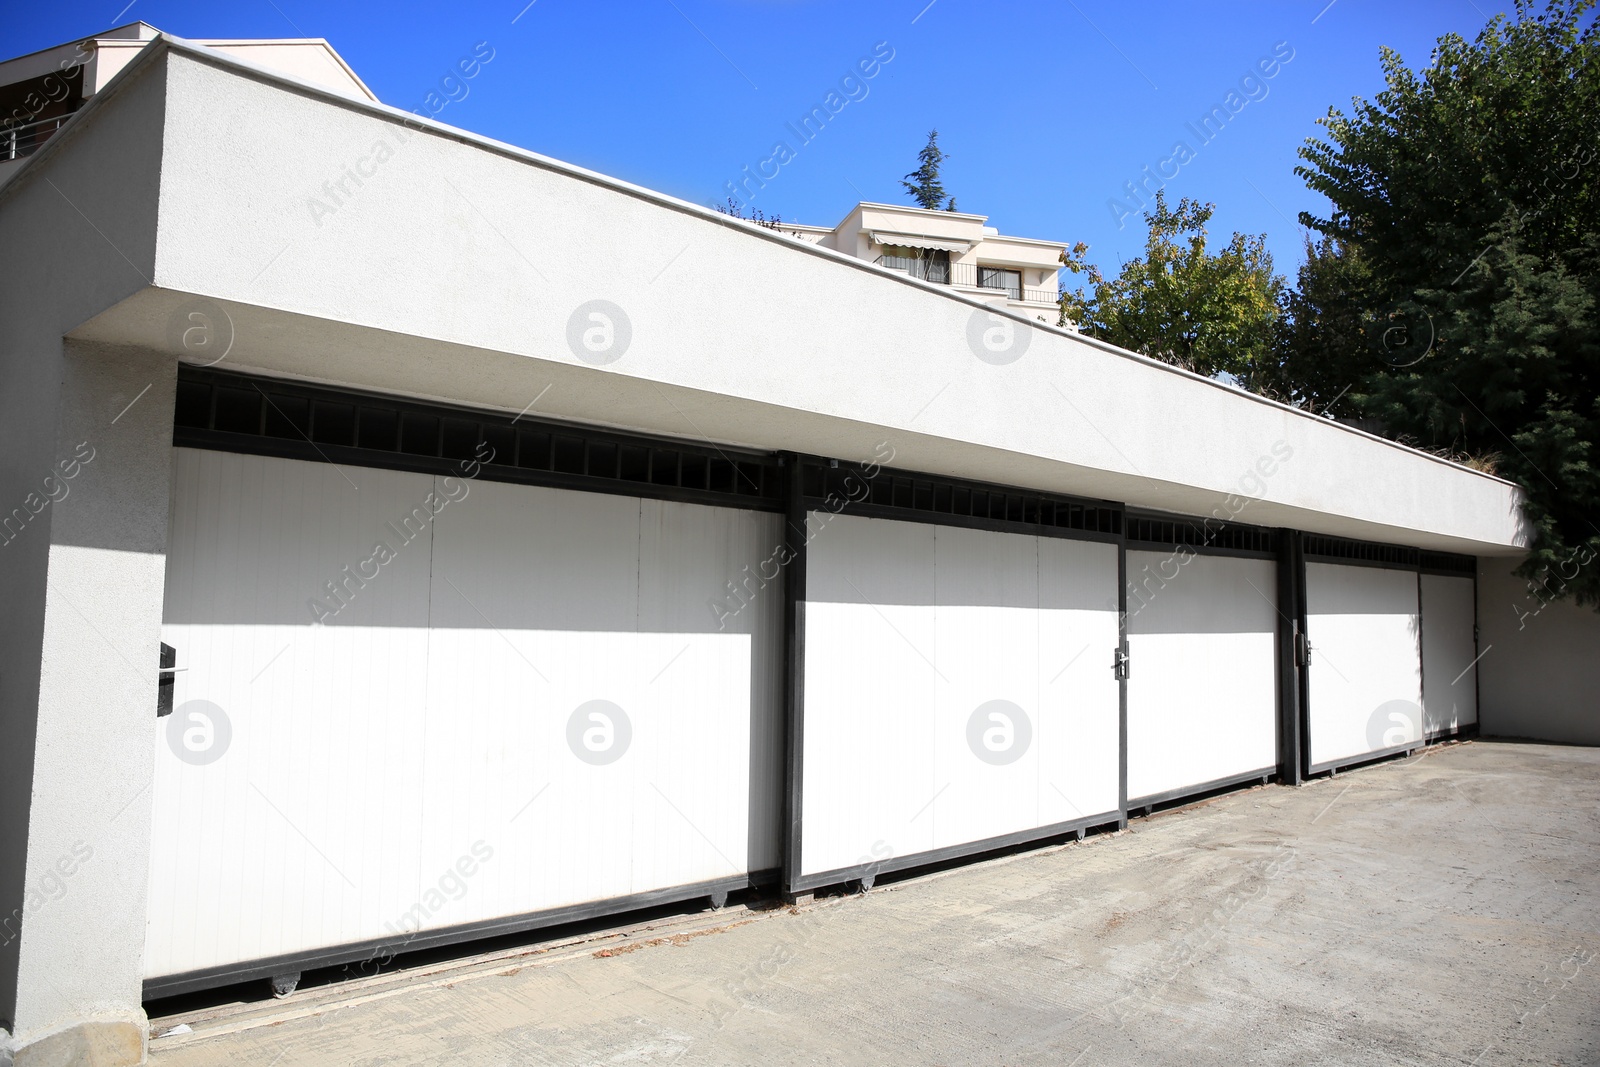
(1180, 592)
(1539, 673)
(891, 562)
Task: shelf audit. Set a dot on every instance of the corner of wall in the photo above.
(1539, 671)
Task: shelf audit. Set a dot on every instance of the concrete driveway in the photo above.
(1440, 910)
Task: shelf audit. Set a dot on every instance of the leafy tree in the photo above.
(1468, 191)
(1211, 312)
(1321, 351)
(925, 187)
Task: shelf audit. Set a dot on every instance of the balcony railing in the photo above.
(971, 276)
(978, 276)
(28, 138)
(926, 268)
(1005, 279)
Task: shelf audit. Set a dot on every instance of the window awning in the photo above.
(912, 240)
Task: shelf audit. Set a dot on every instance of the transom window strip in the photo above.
(854, 485)
(1201, 533)
(249, 413)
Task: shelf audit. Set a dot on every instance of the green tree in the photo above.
(1468, 191)
(924, 184)
(1210, 312)
(1321, 351)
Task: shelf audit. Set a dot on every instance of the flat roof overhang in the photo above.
(458, 269)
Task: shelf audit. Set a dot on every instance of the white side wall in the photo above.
(81, 585)
(1540, 674)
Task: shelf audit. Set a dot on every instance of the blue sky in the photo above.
(1047, 108)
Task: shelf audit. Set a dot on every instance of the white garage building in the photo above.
(408, 573)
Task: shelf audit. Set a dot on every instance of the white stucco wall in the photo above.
(1540, 673)
(81, 586)
(456, 268)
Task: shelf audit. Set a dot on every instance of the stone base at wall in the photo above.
(92, 1043)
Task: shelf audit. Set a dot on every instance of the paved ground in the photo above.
(1444, 910)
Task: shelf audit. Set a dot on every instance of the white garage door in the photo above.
(1203, 684)
(520, 700)
(1449, 653)
(1366, 662)
(957, 689)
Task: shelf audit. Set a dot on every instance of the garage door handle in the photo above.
(166, 679)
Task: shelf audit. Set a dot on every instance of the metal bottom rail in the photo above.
(1256, 777)
(387, 948)
(867, 872)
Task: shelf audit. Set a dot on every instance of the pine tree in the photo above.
(927, 190)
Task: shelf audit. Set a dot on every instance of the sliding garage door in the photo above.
(958, 692)
(1202, 685)
(1365, 690)
(1449, 654)
(411, 703)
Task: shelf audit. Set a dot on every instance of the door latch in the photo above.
(1119, 665)
(166, 679)
(1302, 649)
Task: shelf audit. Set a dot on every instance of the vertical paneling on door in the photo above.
(1366, 661)
(405, 757)
(298, 834)
(957, 688)
(868, 770)
(1202, 690)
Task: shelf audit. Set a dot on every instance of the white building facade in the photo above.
(949, 248)
(374, 584)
